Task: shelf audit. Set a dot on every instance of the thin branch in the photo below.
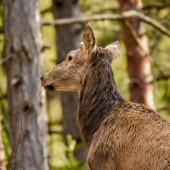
(98, 17)
(16, 149)
(149, 79)
(4, 96)
(163, 108)
(158, 67)
(135, 36)
(45, 46)
(54, 123)
(1, 129)
(1, 30)
(120, 17)
(156, 5)
(5, 59)
(163, 77)
(46, 10)
(54, 132)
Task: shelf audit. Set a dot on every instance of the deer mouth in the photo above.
(49, 88)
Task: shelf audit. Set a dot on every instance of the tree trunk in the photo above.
(139, 65)
(68, 39)
(23, 47)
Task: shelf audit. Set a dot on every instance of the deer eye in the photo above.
(70, 58)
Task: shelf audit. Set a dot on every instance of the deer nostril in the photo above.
(41, 78)
(50, 87)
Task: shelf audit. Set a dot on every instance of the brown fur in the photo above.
(119, 135)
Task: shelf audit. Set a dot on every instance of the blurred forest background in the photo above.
(32, 43)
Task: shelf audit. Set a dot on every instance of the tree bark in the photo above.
(68, 39)
(139, 65)
(23, 43)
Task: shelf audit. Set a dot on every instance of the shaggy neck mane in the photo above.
(98, 94)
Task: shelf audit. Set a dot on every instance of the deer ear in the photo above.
(89, 40)
(81, 46)
(114, 48)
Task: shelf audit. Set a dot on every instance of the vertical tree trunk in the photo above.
(139, 65)
(23, 47)
(68, 39)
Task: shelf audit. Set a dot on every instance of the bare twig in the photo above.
(163, 108)
(4, 96)
(1, 129)
(1, 30)
(122, 16)
(147, 19)
(46, 10)
(149, 79)
(67, 21)
(54, 132)
(45, 46)
(54, 123)
(5, 59)
(156, 5)
(163, 77)
(13, 157)
(135, 36)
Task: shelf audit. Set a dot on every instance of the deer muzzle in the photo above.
(46, 84)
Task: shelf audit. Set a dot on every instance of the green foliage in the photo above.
(159, 50)
(3, 101)
(70, 162)
(106, 32)
(4, 130)
(90, 7)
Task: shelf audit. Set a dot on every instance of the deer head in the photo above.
(69, 75)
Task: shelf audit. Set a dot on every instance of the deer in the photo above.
(118, 135)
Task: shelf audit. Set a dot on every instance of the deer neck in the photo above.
(98, 96)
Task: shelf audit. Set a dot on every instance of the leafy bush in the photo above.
(70, 162)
